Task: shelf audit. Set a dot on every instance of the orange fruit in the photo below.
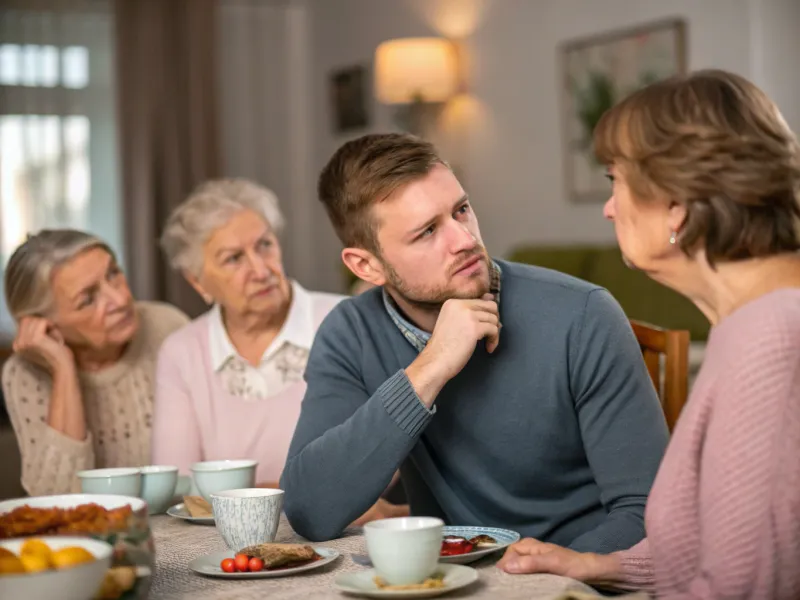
(71, 556)
(11, 565)
(34, 563)
(36, 548)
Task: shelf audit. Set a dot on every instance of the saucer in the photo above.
(209, 565)
(361, 583)
(504, 537)
(179, 512)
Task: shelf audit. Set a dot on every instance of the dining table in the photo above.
(178, 542)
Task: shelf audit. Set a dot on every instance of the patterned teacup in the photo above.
(247, 517)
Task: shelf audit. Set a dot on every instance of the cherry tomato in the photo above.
(255, 564)
(228, 565)
(241, 561)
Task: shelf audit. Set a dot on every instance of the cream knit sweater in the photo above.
(118, 402)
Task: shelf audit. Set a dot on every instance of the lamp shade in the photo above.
(415, 68)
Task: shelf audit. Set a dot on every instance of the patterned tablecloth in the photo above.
(178, 542)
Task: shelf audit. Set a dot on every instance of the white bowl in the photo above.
(124, 481)
(215, 476)
(405, 550)
(247, 517)
(159, 483)
(80, 582)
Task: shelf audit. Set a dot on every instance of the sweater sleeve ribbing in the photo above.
(49, 458)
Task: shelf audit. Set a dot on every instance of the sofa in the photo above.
(641, 298)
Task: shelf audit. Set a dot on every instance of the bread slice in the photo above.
(281, 555)
(197, 506)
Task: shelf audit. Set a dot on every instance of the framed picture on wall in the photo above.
(599, 71)
(349, 99)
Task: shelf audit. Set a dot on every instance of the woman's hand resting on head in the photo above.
(40, 342)
(532, 556)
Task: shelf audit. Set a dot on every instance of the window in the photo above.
(44, 175)
(58, 144)
(44, 66)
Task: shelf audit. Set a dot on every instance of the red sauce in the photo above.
(453, 545)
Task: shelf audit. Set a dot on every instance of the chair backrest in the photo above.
(5, 353)
(672, 384)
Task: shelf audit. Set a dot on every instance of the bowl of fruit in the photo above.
(63, 567)
(121, 522)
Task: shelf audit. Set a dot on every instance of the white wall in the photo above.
(775, 27)
(506, 139)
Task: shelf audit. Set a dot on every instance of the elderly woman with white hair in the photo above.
(229, 384)
(79, 386)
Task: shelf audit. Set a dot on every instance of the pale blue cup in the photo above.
(159, 483)
(214, 476)
(119, 481)
(186, 486)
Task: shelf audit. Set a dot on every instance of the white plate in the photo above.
(209, 565)
(504, 537)
(179, 512)
(361, 583)
(108, 501)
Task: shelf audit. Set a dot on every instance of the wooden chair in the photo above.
(672, 384)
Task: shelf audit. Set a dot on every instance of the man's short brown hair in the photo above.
(715, 142)
(365, 171)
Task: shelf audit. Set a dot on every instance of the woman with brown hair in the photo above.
(706, 183)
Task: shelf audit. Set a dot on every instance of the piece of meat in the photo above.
(483, 540)
(281, 555)
(85, 518)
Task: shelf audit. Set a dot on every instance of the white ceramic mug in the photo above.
(405, 550)
(247, 517)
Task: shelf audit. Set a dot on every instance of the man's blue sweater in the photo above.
(557, 435)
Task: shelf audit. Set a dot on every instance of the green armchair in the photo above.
(641, 298)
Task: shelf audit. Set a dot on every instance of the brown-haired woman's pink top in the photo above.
(723, 517)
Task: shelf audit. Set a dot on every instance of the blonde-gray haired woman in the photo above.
(230, 384)
(79, 386)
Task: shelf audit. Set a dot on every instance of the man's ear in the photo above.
(195, 283)
(364, 265)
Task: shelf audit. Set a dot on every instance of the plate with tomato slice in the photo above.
(462, 545)
(230, 565)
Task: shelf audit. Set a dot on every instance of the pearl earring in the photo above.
(672, 238)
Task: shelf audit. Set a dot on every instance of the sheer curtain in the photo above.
(58, 144)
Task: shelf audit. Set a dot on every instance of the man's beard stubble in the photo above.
(431, 299)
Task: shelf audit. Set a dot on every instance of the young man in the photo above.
(508, 395)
